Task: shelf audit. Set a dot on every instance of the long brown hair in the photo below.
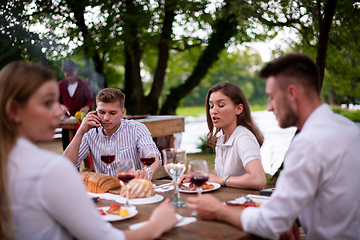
(238, 97)
(18, 81)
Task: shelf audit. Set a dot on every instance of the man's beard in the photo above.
(289, 118)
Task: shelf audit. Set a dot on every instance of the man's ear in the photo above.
(293, 92)
(123, 113)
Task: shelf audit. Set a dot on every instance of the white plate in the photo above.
(113, 217)
(121, 199)
(216, 186)
(139, 201)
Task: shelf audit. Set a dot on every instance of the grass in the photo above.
(197, 111)
(190, 111)
(258, 107)
(210, 158)
(350, 114)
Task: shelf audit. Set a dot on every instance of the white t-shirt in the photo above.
(320, 183)
(48, 198)
(71, 88)
(241, 148)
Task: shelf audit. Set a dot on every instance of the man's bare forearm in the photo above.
(230, 215)
(72, 150)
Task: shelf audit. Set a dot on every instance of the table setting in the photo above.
(189, 226)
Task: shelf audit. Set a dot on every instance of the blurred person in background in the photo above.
(75, 95)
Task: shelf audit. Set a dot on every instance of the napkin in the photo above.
(164, 187)
(184, 221)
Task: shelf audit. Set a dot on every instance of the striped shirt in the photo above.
(128, 140)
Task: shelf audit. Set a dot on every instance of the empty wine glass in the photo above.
(107, 152)
(147, 157)
(175, 165)
(125, 172)
(199, 174)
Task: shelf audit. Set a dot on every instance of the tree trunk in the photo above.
(150, 104)
(223, 31)
(324, 31)
(78, 8)
(133, 85)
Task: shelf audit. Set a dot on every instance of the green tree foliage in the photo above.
(342, 72)
(16, 40)
(239, 67)
(125, 39)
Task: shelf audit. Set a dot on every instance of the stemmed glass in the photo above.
(107, 152)
(199, 174)
(147, 157)
(125, 172)
(175, 165)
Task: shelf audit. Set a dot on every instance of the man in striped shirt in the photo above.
(106, 126)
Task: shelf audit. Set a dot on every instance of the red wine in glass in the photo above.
(199, 180)
(108, 159)
(147, 160)
(126, 177)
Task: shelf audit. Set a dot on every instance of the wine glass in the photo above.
(107, 152)
(199, 174)
(175, 165)
(147, 157)
(125, 172)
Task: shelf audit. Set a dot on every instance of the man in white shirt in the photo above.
(106, 126)
(320, 181)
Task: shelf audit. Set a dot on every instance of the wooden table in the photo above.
(157, 125)
(200, 230)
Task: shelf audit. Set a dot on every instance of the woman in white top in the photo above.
(42, 196)
(235, 137)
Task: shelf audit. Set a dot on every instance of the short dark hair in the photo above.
(297, 65)
(109, 95)
(69, 66)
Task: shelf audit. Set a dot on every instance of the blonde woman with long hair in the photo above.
(41, 194)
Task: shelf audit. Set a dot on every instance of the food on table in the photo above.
(101, 211)
(245, 204)
(139, 188)
(114, 208)
(79, 115)
(99, 183)
(192, 187)
(124, 212)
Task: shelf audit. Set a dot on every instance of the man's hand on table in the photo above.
(208, 207)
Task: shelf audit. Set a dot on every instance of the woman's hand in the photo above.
(164, 216)
(184, 178)
(215, 178)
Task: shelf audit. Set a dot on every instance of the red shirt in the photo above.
(82, 97)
